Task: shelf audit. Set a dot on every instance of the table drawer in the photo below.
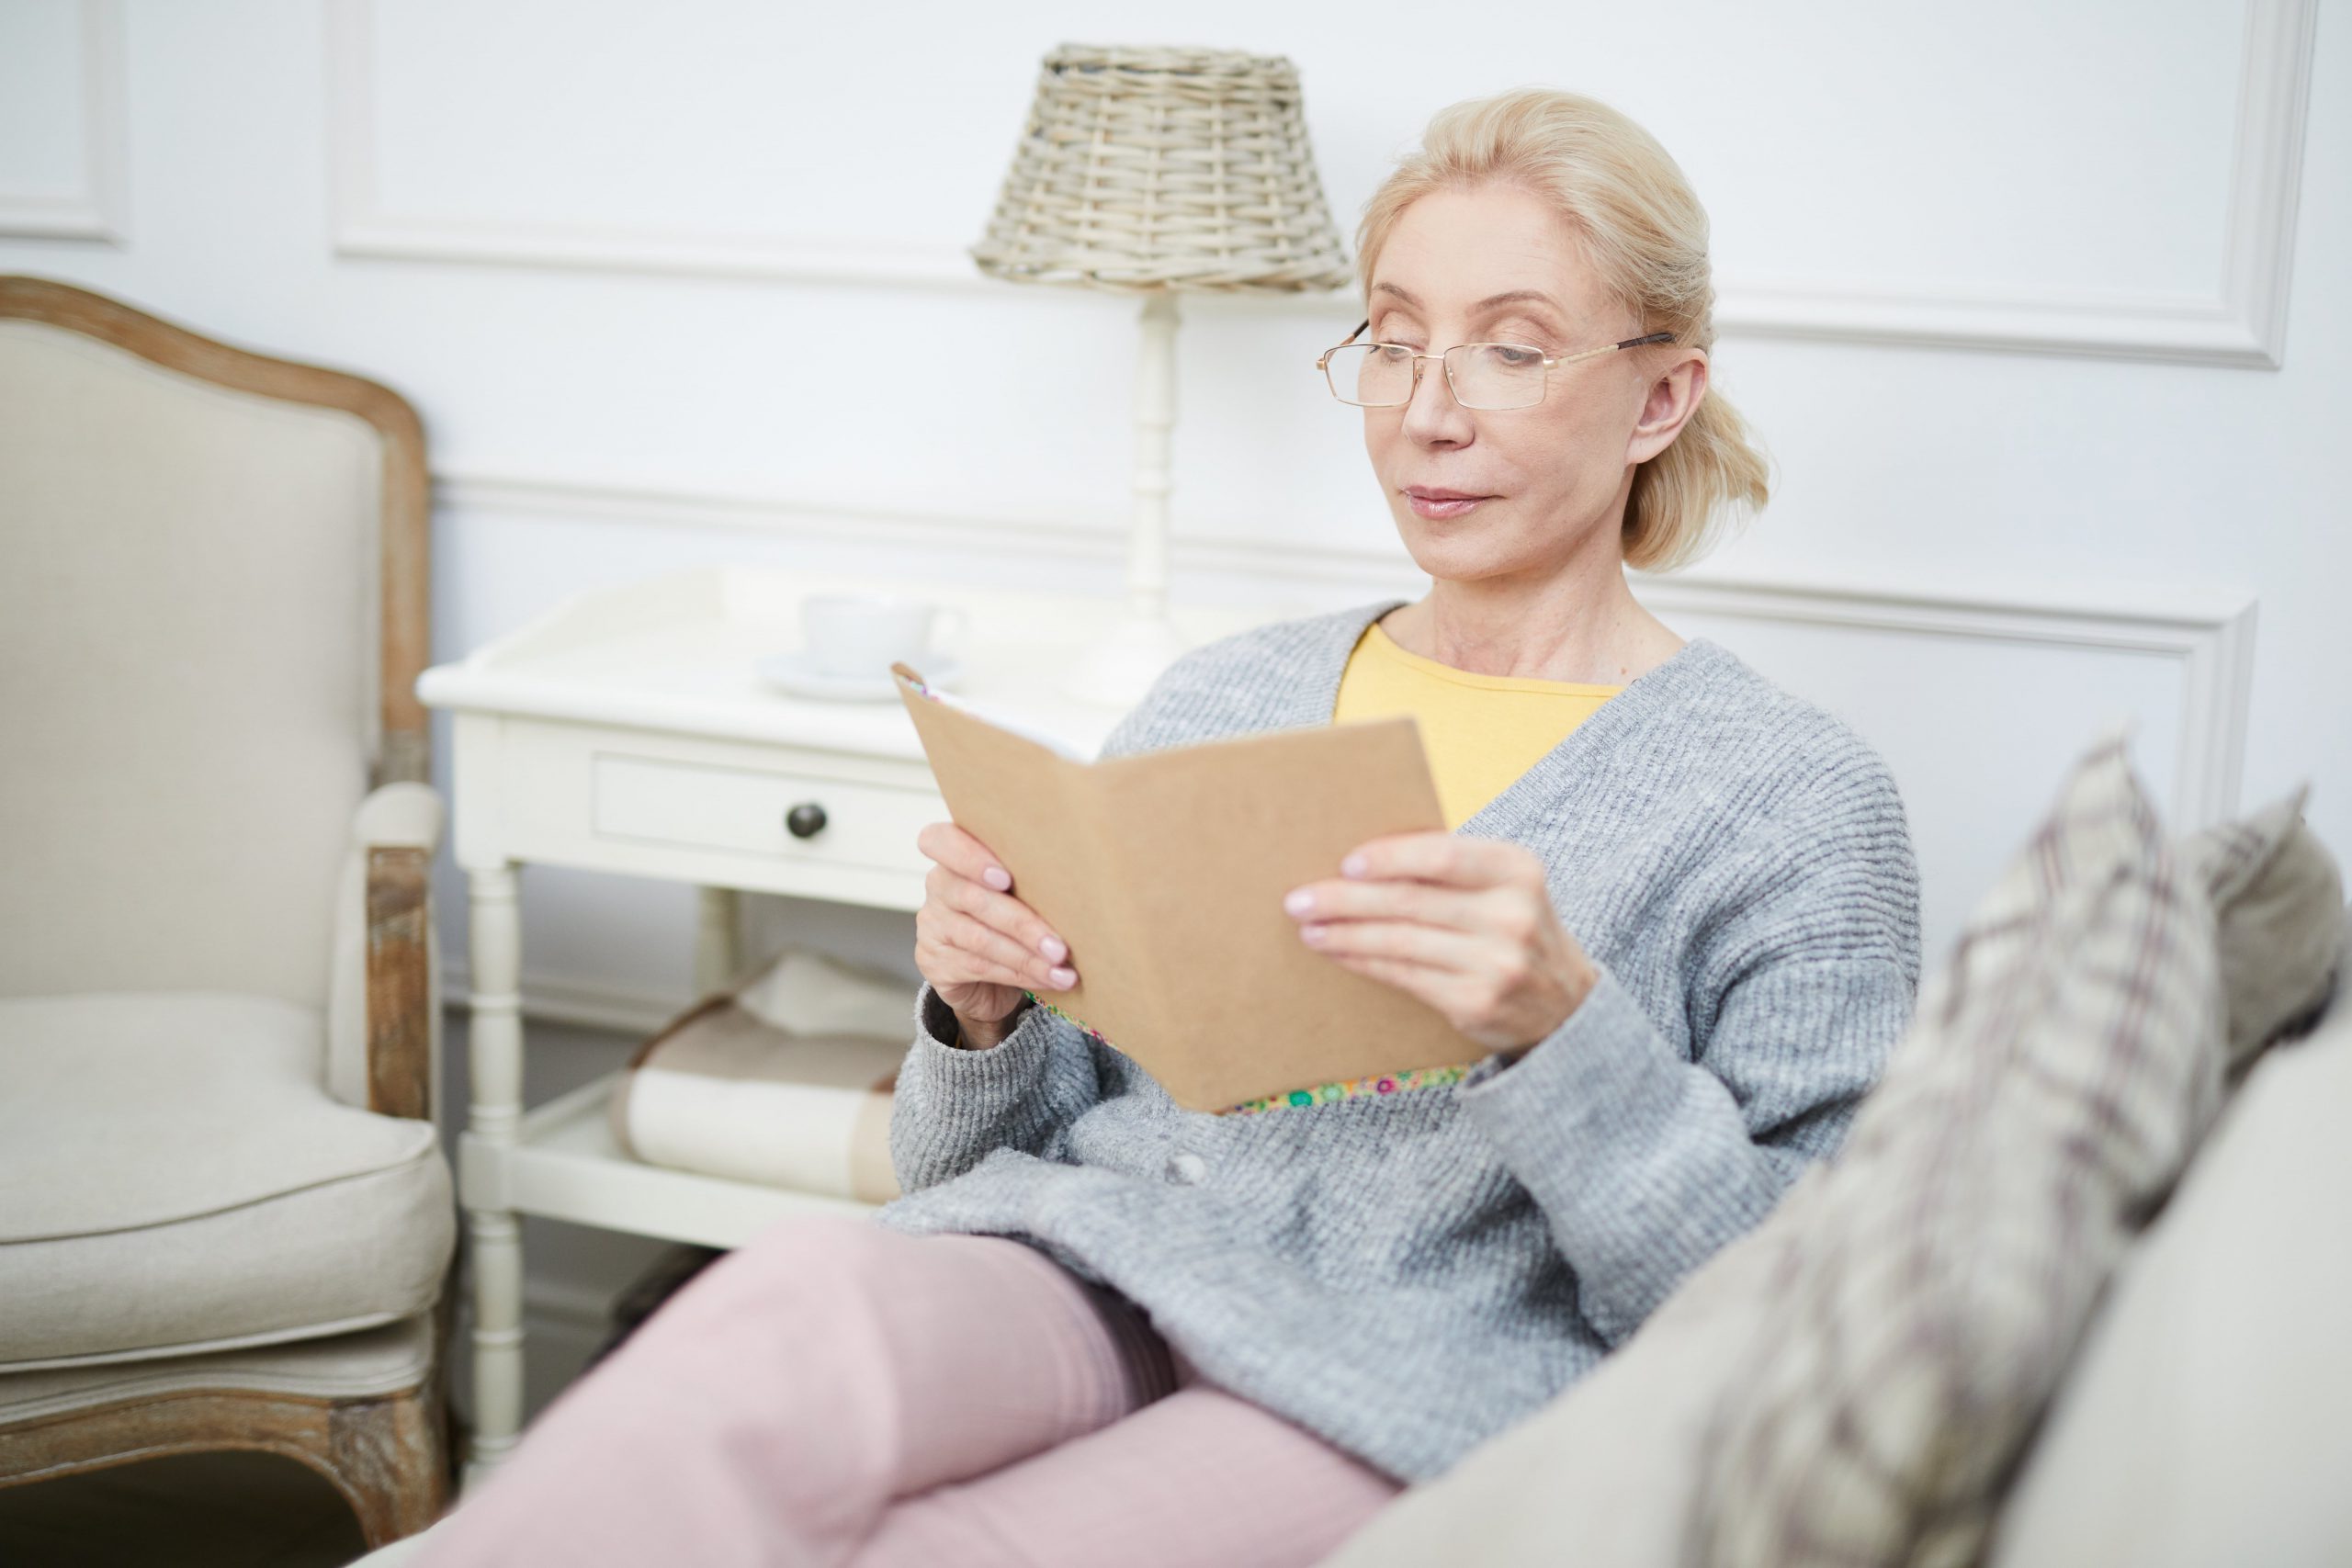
(710, 806)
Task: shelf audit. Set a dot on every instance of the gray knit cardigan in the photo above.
(1407, 1275)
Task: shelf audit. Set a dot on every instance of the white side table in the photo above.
(627, 731)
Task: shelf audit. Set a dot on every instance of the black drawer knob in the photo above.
(805, 820)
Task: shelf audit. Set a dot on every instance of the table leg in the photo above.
(718, 946)
(495, 1042)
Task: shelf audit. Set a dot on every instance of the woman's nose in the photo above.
(1434, 413)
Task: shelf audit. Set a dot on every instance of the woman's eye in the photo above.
(1392, 352)
(1516, 358)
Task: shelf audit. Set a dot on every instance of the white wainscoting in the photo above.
(98, 209)
(2241, 320)
(1980, 697)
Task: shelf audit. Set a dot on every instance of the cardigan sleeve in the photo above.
(1646, 1162)
(952, 1106)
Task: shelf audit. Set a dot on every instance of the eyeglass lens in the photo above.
(1485, 375)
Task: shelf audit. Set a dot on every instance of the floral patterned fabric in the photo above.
(1379, 1083)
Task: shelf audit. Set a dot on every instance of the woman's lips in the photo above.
(1426, 506)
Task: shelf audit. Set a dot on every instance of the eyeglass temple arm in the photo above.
(1612, 348)
(1325, 357)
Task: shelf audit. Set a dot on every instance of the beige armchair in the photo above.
(225, 1218)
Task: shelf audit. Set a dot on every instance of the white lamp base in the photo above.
(1117, 670)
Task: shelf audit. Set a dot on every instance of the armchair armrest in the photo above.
(384, 993)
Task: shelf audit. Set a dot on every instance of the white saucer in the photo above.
(794, 672)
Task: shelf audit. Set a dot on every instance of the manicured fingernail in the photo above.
(1352, 866)
(1054, 948)
(1299, 902)
(996, 876)
(1064, 976)
(1311, 932)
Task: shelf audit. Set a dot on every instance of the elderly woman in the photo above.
(1676, 908)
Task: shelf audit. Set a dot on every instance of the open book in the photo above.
(1165, 872)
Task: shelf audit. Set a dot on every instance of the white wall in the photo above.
(2034, 303)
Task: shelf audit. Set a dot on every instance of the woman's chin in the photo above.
(1466, 548)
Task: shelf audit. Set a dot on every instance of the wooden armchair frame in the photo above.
(390, 1457)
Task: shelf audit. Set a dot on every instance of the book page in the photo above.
(1207, 839)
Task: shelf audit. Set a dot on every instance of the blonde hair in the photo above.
(1645, 235)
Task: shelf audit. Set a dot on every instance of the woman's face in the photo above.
(1556, 474)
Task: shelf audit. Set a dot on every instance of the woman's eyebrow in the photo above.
(1506, 297)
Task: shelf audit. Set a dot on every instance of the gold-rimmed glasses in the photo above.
(1479, 375)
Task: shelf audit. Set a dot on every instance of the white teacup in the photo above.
(864, 634)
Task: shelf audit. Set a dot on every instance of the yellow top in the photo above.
(1481, 731)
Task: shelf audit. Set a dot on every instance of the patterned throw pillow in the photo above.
(2059, 1069)
(2276, 891)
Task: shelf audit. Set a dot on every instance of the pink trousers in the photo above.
(834, 1391)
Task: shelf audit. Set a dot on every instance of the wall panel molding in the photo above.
(363, 228)
(2206, 634)
(99, 210)
(2242, 322)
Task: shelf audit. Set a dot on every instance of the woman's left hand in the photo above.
(1464, 924)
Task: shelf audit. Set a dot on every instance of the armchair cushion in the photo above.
(370, 1364)
(182, 1181)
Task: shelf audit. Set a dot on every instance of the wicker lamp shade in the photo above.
(1149, 169)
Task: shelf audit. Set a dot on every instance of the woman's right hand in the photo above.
(978, 946)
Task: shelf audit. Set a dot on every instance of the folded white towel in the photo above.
(786, 1081)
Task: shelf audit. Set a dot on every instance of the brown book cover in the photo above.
(1165, 872)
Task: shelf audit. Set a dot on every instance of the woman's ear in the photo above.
(1672, 399)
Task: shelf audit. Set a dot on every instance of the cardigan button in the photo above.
(1186, 1168)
